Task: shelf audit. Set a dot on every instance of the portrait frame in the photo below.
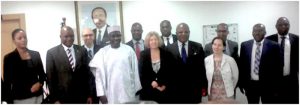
(83, 10)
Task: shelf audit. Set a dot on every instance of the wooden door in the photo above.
(9, 22)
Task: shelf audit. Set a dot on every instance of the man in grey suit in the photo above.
(68, 71)
(166, 35)
(231, 47)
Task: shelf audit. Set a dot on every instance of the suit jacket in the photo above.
(174, 39)
(131, 44)
(19, 76)
(294, 58)
(66, 85)
(190, 78)
(270, 67)
(96, 49)
(162, 77)
(105, 38)
(233, 48)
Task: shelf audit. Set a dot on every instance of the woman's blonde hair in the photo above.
(149, 35)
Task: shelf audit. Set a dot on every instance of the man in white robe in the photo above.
(117, 78)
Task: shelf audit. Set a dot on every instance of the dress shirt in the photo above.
(287, 54)
(103, 29)
(141, 44)
(170, 39)
(186, 47)
(254, 76)
(73, 52)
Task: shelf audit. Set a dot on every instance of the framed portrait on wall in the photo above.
(84, 14)
(209, 32)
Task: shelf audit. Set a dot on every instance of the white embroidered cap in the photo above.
(113, 28)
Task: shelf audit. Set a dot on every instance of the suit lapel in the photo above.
(291, 40)
(190, 50)
(77, 56)
(264, 50)
(249, 50)
(63, 54)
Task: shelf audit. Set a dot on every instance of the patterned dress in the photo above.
(218, 91)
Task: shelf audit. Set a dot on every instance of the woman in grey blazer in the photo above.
(222, 74)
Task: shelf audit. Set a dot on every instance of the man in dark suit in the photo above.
(68, 71)
(290, 49)
(166, 35)
(189, 79)
(92, 49)
(99, 17)
(261, 67)
(137, 43)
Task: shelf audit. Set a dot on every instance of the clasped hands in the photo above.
(155, 85)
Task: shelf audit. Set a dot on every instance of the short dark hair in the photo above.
(98, 8)
(224, 43)
(13, 34)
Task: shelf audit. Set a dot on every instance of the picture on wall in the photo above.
(209, 32)
(84, 14)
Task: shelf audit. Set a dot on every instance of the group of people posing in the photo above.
(165, 69)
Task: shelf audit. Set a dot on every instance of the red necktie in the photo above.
(137, 50)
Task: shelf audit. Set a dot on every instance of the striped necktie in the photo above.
(71, 60)
(257, 58)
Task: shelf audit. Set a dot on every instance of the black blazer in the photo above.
(190, 78)
(270, 68)
(294, 59)
(174, 39)
(162, 77)
(64, 84)
(19, 78)
(105, 38)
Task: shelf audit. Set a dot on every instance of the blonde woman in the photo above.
(155, 64)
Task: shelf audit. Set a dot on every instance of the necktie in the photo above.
(183, 53)
(99, 37)
(71, 59)
(227, 50)
(90, 54)
(257, 58)
(168, 41)
(282, 44)
(137, 50)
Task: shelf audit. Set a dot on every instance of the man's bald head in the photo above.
(259, 32)
(88, 37)
(183, 32)
(283, 26)
(67, 36)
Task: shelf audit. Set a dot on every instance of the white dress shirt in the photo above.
(103, 29)
(166, 40)
(88, 49)
(185, 46)
(287, 53)
(254, 76)
(141, 44)
(72, 52)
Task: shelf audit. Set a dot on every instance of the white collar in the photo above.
(66, 48)
(286, 36)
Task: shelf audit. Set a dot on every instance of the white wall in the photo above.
(42, 21)
(43, 18)
(199, 13)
